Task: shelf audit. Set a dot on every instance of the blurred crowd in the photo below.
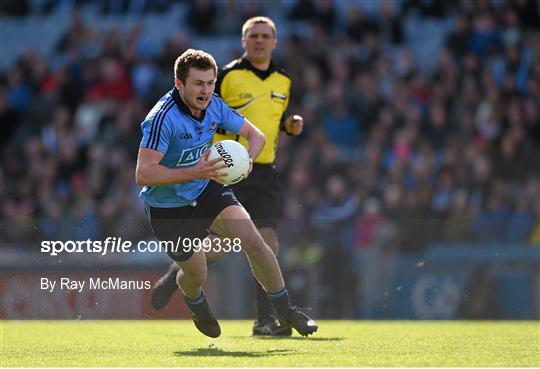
(446, 155)
(393, 153)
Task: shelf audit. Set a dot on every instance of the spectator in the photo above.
(201, 16)
(333, 219)
(520, 222)
(457, 225)
(490, 223)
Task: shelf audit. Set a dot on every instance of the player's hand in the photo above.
(294, 125)
(208, 169)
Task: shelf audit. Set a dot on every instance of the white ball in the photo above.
(235, 156)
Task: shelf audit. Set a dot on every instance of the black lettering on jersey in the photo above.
(185, 136)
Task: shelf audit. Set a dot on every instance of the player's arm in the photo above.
(254, 136)
(150, 173)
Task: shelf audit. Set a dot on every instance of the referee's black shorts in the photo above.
(191, 222)
(259, 194)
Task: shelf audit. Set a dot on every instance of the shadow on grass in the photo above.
(295, 338)
(205, 352)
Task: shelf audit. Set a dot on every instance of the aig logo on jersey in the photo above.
(192, 155)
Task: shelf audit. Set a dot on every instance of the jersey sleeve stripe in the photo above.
(152, 128)
(151, 137)
(161, 119)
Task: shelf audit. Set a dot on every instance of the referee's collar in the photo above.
(262, 74)
(184, 108)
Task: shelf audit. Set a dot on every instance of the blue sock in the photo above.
(196, 301)
(274, 295)
(281, 302)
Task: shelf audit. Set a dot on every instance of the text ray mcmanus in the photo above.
(78, 285)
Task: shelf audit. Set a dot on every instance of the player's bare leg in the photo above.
(166, 286)
(190, 278)
(269, 236)
(235, 222)
(192, 275)
(266, 324)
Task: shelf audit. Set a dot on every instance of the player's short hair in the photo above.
(257, 20)
(192, 58)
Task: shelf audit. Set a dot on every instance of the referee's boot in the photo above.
(202, 316)
(299, 321)
(270, 327)
(165, 287)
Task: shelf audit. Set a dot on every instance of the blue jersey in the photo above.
(171, 129)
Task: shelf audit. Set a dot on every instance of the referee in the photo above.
(260, 91)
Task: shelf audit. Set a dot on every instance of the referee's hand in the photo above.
(294, 125)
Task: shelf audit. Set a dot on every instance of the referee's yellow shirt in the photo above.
(261, 96)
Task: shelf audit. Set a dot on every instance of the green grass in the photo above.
(338, 343)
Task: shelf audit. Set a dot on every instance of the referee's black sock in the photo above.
(264, 307)
(280, 300)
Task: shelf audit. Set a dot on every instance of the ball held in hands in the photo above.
(235, 156)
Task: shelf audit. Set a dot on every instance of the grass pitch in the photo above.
(338, 343)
